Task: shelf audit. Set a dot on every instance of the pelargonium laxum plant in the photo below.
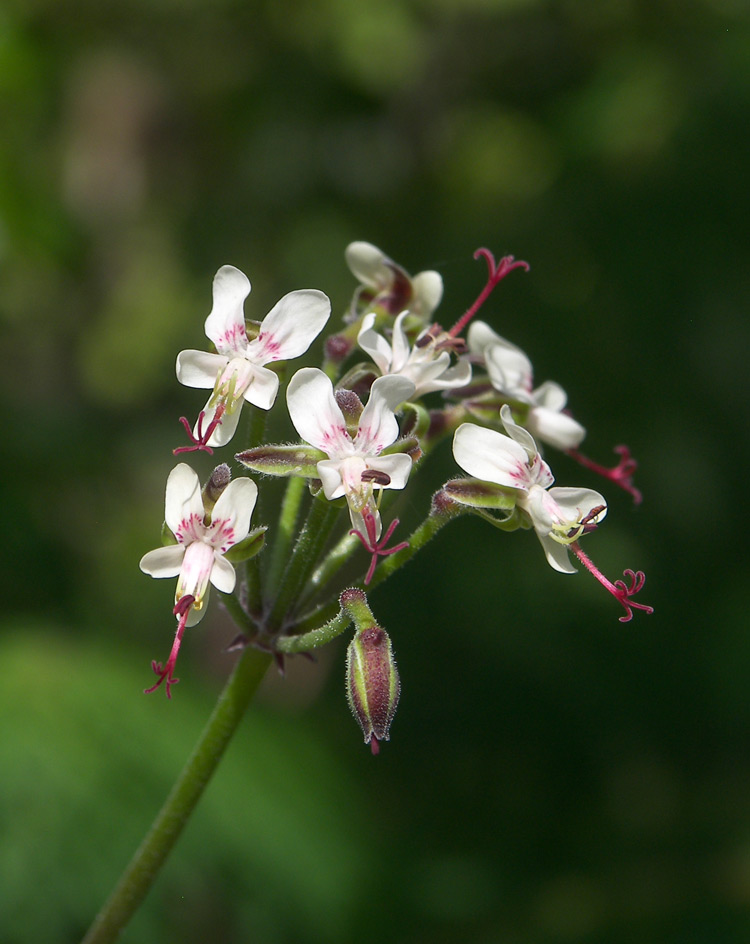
(393, 387)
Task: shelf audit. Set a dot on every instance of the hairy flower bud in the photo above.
(372, 683)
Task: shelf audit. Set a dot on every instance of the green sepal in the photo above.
(408, 444)
(298, 459)
(361, 374)
(480, 494)
(167, 537)
(512, 522)
(486, 408)
(249, 547)
(416, 420)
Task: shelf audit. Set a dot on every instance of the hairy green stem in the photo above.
(312, 539)
(140, 874)
(284, 531)
(316, 637)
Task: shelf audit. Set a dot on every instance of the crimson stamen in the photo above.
(375, 547)
(621, 474)
(497, 272)
(182, 611)
(619, 589)
(200, 442)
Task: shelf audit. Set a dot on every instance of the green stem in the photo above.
(332, 562)
(140, 874)
(316, 637)
(316, 531)
(284, 531)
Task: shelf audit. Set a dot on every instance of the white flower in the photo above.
(511, 373)
(559, 515)
(387, 284)
(318, 419)
(237, 371)
(198, 556)
(427, 368)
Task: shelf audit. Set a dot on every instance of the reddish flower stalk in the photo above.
(199, 442)
(619, 589)
(181, 610)
(621, 474)
(375, 547)
(497, 272)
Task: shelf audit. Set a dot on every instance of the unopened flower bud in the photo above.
(217, 482)
(372, 683)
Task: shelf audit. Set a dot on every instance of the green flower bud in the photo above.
(372, 683)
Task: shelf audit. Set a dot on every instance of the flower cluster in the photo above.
(394, 385)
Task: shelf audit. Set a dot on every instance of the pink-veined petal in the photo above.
(164, 561)
(183, 505)
(488, 455)
(196, 571)
(378, 426)
(315, 414)
(223, 574)
(225, 325)
(290, 327)
(199, 368)
(375, 344)
(263, 389)
(230, 519)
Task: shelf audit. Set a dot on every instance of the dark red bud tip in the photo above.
(350, 596)
(337, 348)
(374, 746)
(443, 504)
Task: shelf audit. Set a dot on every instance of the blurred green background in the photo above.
(553, 776)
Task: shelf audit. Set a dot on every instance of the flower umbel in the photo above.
(197, 559)
(237, 372)
(389, 288)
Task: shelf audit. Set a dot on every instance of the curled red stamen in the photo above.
(199, 442)
(621, 474)
(619, 589)
(372, 545)
(497, 272)
(181, 611)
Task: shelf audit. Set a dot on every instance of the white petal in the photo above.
(375, 344)
(230, 519)
(196, 571)
(400, 344)
(197, 613)
(397, 467)
(480, 336)
(199, 368)
(225, 325)
(378, 427)
(262, 391)
(550, 395)
(290, 327)
(226, 429)
(183, 505)
(577, 503)
(369, 265)
(456, 376)
(557, 429)
(509, 369)
(428, 292)
(315, 414)
(522, 436)
(490, 456)
(329, 471)
(223, 575)
(164, 561)
(556, 554)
